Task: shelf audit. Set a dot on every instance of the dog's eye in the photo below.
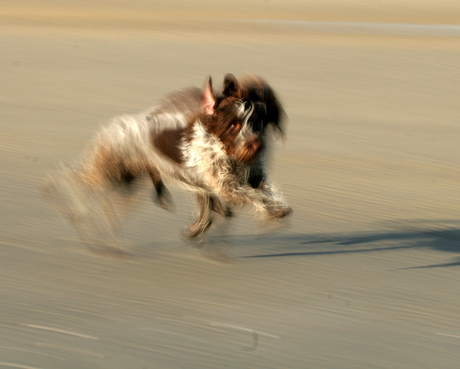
(235, 125)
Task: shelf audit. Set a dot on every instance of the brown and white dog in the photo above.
(213, 145)
(266, 119)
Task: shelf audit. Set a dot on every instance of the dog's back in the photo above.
(187, 101)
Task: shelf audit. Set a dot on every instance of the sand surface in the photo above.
(366, 272)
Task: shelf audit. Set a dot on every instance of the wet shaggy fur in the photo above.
(205, 142)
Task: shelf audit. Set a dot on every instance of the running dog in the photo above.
(266, 118)
(210, 144)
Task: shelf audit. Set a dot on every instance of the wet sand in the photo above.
(363, 275)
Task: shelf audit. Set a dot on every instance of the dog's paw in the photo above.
(278, 212)
(196, 240)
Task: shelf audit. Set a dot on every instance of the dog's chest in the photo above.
(203, 153)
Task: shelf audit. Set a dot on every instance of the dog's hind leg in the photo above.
(94, 210)
(162, 197)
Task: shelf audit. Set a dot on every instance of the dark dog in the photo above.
(212, 145)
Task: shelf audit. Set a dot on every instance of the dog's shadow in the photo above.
(410, 235)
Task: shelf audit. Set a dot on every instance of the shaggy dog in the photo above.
(213, 145)
(266, 118)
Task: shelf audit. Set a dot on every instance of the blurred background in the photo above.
(363, 274)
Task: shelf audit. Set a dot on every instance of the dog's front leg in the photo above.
(257, 179)
(274, 201)
(207, 205)
(205, 216)
(263, 201)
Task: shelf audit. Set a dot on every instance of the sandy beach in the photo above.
(364, 274)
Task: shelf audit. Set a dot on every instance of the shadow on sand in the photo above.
(441, 236)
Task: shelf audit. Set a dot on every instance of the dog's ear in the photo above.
(231, 86)
(209, 100)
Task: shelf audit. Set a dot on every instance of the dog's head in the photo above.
(230, 119)
(267, 111)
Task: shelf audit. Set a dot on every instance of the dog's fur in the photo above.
(267, 117)
(212, 145)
